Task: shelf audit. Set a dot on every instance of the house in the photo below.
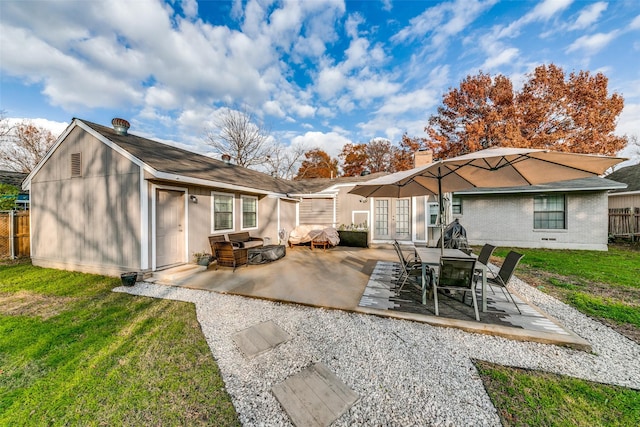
(15, 179)
(624, 203)
(106, 201)
(560, 215)
(628, 197)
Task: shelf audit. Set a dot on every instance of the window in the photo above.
(432, 214)
(456, 205)
(222, 212)
(249, 212)
(549, 212)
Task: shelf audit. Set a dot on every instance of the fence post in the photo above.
(12, 232)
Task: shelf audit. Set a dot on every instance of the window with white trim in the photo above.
(432, 214)
(456, 205)
(249, 212)
(221, 212)
(549, 212)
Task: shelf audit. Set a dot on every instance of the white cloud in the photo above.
(190, 8)
(635, 24)
(547, 9)
(273, 108)
(504, 57)
(419, 99)
(438, 24)
(593, 43)
(629, 120)
(330, 142)
(541, 12)
(56, 128)
(589, 15)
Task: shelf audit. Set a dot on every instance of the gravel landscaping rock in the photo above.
(406, 373)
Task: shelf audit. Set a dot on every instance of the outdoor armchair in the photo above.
(456, 274)
(504, 275)
(229, 256)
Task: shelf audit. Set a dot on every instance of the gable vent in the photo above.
(76, 165)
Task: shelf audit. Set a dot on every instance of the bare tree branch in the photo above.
(23, 146)
(238, 134)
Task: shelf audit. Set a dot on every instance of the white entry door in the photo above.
(392, 219)
(169, 227)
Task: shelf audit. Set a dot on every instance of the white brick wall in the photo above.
(507, 220)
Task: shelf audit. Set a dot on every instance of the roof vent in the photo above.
(226, 158)
(121, 126)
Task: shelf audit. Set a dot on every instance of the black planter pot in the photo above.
(129, 279)
(357, 239)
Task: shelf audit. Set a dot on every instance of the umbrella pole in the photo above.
(441, 207)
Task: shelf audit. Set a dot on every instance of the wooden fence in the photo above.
(14, 234)
(624, 222)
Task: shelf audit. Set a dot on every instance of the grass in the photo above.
(529, 398)
(603, 285)
(74, 353)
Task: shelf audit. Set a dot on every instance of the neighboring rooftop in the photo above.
(629, 175)
(12, 178)
(313, 185)
(583, 184)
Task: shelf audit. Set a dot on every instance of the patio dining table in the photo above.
(430, 257)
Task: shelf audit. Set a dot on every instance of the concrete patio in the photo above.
(358, 280)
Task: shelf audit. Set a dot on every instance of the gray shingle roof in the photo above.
(582, 184)
(173, 160)
(629, 175)
(314, 185)
(12, 178)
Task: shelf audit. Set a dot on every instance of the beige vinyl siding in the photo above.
(89, 223)
(317, 211)
(349, 203)
(624, 201)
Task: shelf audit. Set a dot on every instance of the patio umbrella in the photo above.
(493, 167)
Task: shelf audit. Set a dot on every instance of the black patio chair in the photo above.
(410, 268)
(483, 258)
(456, 274)
(504, 275)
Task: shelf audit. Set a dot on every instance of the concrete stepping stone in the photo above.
(314, 396)
(260, 338)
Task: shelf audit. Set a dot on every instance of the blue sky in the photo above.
(318, 73)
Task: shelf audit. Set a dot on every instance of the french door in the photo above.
(392, 219)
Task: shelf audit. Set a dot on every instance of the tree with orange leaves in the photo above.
(402, 156)
(317, 164)
(574, 115)
(354, 159)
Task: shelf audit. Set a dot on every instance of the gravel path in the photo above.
(406, 373)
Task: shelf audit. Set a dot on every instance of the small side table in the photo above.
(319, 244)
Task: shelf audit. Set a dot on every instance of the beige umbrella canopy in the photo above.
(493, 167)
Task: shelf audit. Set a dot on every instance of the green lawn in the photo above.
(74, 353)
(603, 285)
(530, 398)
